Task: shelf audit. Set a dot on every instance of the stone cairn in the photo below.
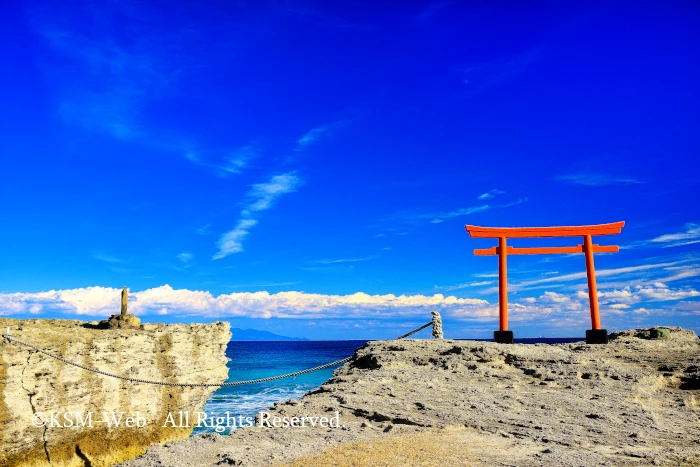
(123, 320)
(437, 325)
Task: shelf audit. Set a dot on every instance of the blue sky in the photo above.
(307, 168)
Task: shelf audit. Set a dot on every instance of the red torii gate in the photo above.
(596, 335)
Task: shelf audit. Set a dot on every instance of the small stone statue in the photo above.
(437, 325)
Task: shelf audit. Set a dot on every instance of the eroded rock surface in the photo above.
(123, 321)
(31, 382)
(634, 401)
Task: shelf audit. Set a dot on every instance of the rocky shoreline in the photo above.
(635, 401)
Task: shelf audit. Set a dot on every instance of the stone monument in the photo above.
(125, 301)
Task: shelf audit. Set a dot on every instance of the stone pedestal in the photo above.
(659, 333)
(503, 337)
(597, 336)
(125, 321)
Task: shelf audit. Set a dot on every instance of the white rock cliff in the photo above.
(32, 383)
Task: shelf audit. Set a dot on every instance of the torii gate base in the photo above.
(596, 335)
(503, 337)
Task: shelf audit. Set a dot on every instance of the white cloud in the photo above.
(345, 260)
(114, 76)
(646, 311)
(617, 302)
(582, 275)
(79, 301)
(260, 197)
(647, 293)
(265, 284)
(315, 134)
(165, 299)
(237, 161)
(690, 236)
(490, 194)
(442, 217)
(480, 76)
(512, 203)
(597, 179)
(232, 241)
(311, 136)
(107, 258)
(125, 73)
(549, 308)
(263, 195)
(204, 230)
(185, 257)
(463, 285)
(553, 297)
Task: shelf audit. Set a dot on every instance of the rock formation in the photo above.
(635, 401)
(32, 383)
(437, 325)
(123, 320)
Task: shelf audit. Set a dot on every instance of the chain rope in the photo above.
(193, 385)
(415, 331)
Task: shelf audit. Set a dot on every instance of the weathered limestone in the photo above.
(31, 382)
(124, 321)
(659, 333)
(635, 401)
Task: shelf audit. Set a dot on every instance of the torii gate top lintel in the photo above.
(540, 232)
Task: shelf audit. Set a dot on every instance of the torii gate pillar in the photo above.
(503, 335)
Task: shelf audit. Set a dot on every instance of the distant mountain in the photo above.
(255, 335)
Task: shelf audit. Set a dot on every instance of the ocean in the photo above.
(260, 359)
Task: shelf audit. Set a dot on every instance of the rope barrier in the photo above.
(415, 331)
(192, 385)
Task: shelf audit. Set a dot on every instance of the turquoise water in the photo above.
(260, 359)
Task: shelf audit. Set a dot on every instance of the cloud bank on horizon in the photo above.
(164, 300)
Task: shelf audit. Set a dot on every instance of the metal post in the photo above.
(502, 284)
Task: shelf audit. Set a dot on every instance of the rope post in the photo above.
(437, 325)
